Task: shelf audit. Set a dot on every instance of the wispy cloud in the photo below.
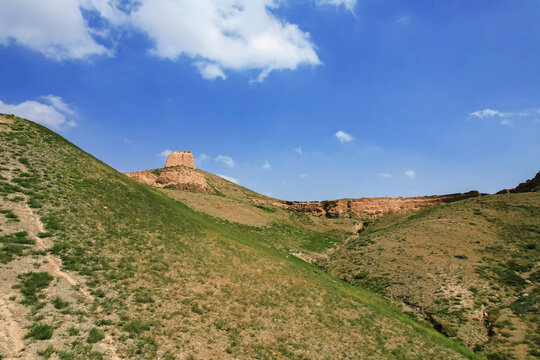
(349, 4)
(507, 122)
(266, 166)
(165, 153)
(410, 173)
(343, 136)
(505, 118)
(403, 20)
(210, 71)
(298, 150)
(202, 158)
(231, 179)
(227, 160)
(53, 112)
(385, 175)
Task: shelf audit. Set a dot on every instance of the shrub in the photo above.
(58, 303)
(40, 332)
(137, 326)
(31, 284)
(95, 335)
(72, 331)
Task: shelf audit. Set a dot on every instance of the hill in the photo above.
(466, 264)
(471, 268)
(95, 265)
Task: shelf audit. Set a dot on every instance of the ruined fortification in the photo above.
(180, 158)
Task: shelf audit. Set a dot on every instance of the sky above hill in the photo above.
(300, 100)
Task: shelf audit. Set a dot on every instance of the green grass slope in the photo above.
(471, 268)
(144, 276)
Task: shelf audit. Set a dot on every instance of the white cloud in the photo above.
(210, 71)
(349, 4)
(202, 158)
(298, 150)
(303, 176)
(487, 113)
(266, 166)
(226, 34)
(219, 35)
(231, 179)
(165, 153)
(343, 136)
(55, 28)
(410, 173)
(227, 160)
(56, 115)
(385, 175)
(505, 118)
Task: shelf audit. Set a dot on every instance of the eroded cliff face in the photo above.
(367, 207)
(180, 158)
(531, 185)
(172, 178)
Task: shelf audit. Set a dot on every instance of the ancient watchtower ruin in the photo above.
(180, 158)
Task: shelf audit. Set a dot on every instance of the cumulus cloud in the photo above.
(55, 28)
(165, 153)
(227, 34)
(266, 166)
(343, 136)
(385, 175)
(219, 35)
(53, 112)
(231, 179)
(227, 160)
(410, 173)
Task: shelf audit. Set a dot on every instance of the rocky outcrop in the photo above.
(527, 186)
(180, 158)
(173, 178)
(368, 207)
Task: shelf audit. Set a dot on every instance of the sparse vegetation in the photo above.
(31, 284)
(40, 332)
(233, 287)
(95, 335)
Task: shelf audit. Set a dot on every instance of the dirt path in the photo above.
(11, 333)
(34, 226)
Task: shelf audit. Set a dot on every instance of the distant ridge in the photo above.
(531, 185)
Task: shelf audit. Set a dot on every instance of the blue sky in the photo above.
(300, 100)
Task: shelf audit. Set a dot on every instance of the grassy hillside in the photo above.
(95, 265)
(471, 268)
